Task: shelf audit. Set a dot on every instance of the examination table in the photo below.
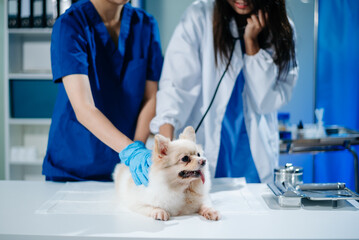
(88, 210)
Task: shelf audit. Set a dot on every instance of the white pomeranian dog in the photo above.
(179, 181)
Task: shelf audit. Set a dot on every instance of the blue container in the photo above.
(283, 116)
(285, 135)
(32, 98)
(283, 125)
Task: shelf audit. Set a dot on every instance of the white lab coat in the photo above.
(189, 78)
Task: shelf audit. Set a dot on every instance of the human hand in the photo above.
(138, 158)
(255, 25)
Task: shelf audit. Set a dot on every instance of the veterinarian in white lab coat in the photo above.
(240, 132)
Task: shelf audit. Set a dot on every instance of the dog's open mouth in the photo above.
(188, 174)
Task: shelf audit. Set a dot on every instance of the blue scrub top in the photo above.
(235, 158)
(81, 44)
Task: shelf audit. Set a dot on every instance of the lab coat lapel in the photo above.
(237, 59)
(236, 62)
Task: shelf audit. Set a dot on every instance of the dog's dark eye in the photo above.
(198, 154)
(185, 159)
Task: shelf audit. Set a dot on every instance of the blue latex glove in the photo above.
(138, 158)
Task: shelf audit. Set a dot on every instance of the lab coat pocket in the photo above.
(134, 80)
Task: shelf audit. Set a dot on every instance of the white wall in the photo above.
(301, 107)
(167, 13)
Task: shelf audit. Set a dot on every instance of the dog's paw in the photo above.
(209, 213)
(160, 214)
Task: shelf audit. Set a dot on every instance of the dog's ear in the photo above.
(189, 134)
(161, 145)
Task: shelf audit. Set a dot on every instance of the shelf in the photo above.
(30, 76)
(37, 162)
(30, 31)
(29, 96)
(30, 121)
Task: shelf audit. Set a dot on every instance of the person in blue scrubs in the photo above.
(106, 59)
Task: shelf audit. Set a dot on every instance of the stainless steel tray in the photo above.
(289, 196)
(315, 193)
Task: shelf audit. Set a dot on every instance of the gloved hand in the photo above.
(138, 158)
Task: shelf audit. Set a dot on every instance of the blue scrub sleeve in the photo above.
(155, 58)
(68, 48)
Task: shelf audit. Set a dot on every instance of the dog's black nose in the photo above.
(202, 162)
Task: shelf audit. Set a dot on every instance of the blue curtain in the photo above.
(337, 89)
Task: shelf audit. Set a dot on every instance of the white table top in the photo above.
(257, 217)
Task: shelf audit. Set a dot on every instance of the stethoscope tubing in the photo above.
(219, 83)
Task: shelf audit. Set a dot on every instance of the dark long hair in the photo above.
(277, 33)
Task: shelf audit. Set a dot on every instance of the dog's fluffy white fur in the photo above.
(179, 181)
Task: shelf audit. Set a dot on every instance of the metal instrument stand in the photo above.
(337, 139)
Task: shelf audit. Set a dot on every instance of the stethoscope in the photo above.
(220, 80)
